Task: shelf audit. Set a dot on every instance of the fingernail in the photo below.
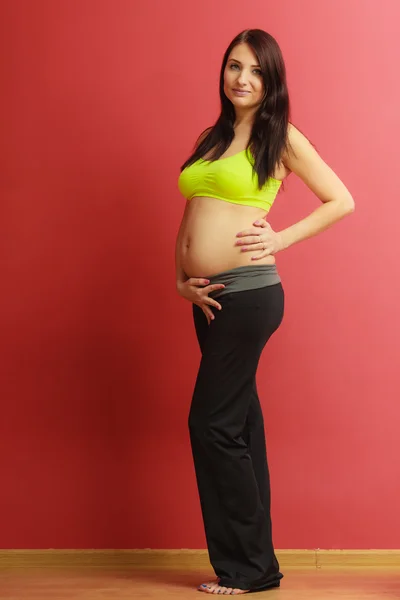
(257, 223)
(203, 585)
(244, 248)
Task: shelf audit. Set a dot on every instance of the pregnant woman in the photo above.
(225, 266)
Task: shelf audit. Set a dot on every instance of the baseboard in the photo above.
(158, 559)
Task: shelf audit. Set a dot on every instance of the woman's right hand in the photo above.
(196, 291)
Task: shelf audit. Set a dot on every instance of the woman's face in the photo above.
(243, 82)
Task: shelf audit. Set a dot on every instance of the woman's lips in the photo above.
(240, 92)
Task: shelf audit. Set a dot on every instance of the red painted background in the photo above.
(101, 103)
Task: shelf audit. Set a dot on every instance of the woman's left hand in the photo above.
(264, 239)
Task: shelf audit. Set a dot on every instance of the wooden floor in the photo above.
(88, 583)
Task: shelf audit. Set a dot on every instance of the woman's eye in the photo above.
(235, 66)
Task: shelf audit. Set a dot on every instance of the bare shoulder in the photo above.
(297, 142)
(303, 159)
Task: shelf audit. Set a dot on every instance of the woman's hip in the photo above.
(252, 308)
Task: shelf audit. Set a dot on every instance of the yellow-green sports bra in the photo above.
(230, 179)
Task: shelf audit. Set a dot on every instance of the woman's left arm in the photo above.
(337, 202)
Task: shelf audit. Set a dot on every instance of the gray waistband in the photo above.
(245, 278)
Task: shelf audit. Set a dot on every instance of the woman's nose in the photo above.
(242, 79)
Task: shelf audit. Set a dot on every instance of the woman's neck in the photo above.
(244, 118)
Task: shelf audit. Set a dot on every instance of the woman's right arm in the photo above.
(194, 289)
(181, 276)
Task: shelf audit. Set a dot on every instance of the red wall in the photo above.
(102, 101)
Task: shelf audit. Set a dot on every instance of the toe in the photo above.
(210, 588)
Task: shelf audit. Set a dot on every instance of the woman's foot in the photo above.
(213, 587)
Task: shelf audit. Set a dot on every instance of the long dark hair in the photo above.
(269, 131)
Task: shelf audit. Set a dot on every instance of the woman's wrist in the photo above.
(283, 241)
(179, 284)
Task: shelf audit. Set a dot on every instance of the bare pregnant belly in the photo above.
(208, 242)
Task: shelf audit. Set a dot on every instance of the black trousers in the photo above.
(227, 437)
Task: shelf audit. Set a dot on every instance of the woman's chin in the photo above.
(242, 102)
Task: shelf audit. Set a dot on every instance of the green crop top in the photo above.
(230, 179)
